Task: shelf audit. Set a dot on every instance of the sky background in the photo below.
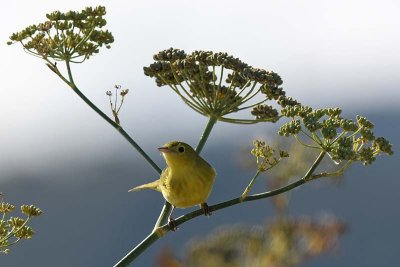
(328, 53)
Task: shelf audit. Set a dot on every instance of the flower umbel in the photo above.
(265, 155)
(346, 141)
(14, 229)
(71, 36)
(217, 84)
(116, 105)
(266, 158)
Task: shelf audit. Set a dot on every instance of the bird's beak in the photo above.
(164, 149)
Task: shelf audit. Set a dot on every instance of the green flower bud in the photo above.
(25, 232)
(6, 207)
(311, 122)
(265, 155)
(383, 145)
(290, 128)
(291, 111)
(366, 155)
(304, 111)
(343, 150)
(272, 92)
(16, 222)
(3, 229)
(31, 210)
(333, 112)
(363, 122)
(348, 125)
(124, 92)
(367, 134)
(170, 54)
(265, 112)
(318, 113)
(284, 101)
(329, 132)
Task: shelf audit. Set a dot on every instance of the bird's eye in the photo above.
(181, 149)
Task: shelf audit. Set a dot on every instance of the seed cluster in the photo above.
(217, 84)
(343, 139)
(266, 156)
(14, 229)
(71, 36)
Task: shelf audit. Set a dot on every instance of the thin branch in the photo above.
(248, 188)
(332, 174)
(245, 121)
(253, 105)
(304, 144)
(206, 134)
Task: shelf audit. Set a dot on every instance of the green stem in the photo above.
(206, 134)
(245, 121)
(162, 218)
(159, 232)
(71, 79)
(304, 144)
(83, 40)
(196, 102)
(221, 75)
(332, 174)
(310, 172)
(317, 139)
(252, 105)
(248, 188)
(192, 105)
(139, 249)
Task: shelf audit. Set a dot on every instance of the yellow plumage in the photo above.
(188, 178)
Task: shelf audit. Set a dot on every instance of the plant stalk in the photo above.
(206, 133)
(248, 188)
(139, 249)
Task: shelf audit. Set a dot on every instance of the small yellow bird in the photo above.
(186, 181)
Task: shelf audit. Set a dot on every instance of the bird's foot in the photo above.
(206, 209)
(171, 224)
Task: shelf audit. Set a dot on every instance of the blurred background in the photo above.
(58, 154)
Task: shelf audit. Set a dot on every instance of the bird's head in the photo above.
(177, 153)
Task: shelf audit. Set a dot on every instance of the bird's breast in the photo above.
(187, 187)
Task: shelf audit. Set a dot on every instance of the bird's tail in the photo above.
(153, 185)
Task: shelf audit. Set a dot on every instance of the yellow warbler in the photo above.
(186, 181)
